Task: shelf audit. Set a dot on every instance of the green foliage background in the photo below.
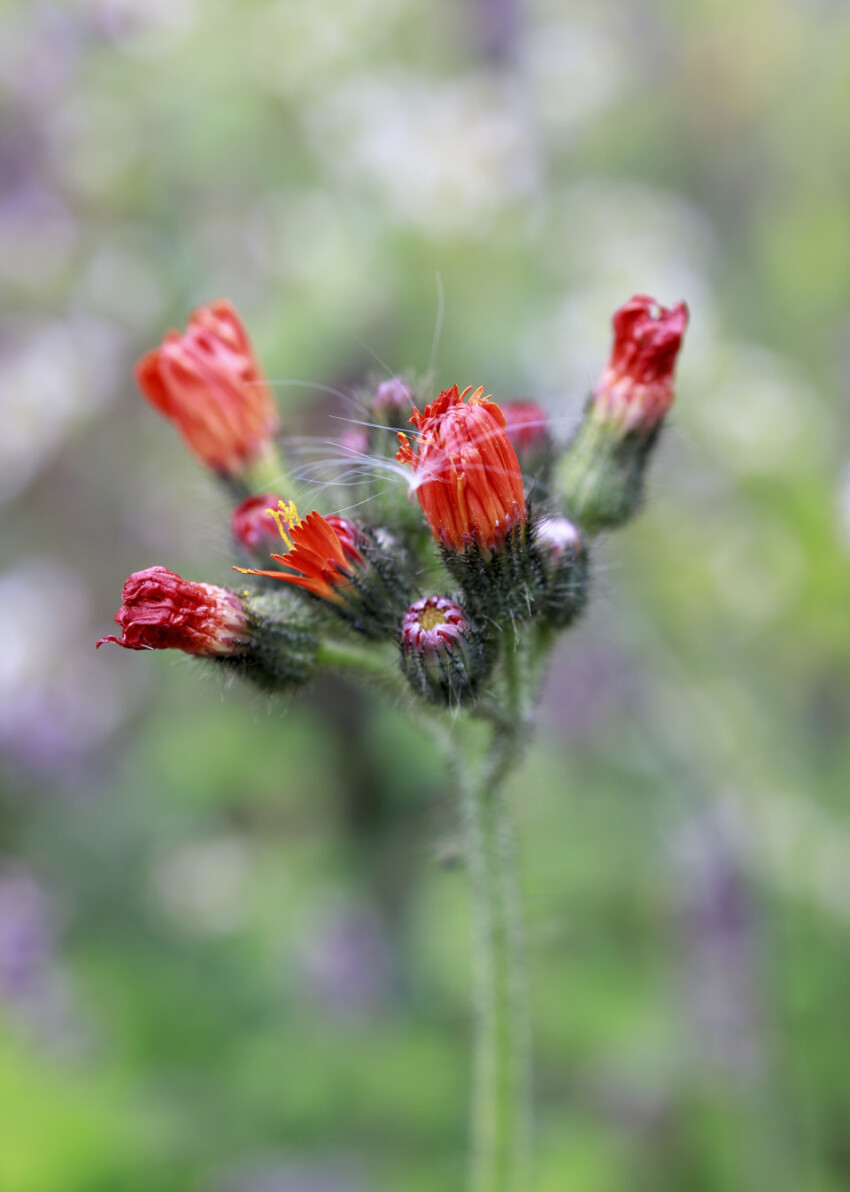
(233, 938)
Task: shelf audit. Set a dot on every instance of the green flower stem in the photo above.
(501, 1083)
(372, 663)
(266, 473)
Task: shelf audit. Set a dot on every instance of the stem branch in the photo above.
(501, 1092)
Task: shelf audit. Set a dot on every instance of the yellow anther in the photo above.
(288, 514)
(432, 617)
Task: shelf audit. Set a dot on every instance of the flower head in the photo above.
(636, 389)
(208, 382)
(161, 611)
(562, 552)
(323, 552)
(468, 478)
(433, 625)
(441, 653)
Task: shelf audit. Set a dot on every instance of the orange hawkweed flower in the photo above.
(468, 478)
(322, 552)
(208, 382)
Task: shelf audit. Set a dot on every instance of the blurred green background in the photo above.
(233, 944)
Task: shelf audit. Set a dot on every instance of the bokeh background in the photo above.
(234, 935)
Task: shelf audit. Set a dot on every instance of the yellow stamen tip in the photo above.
(288, 514)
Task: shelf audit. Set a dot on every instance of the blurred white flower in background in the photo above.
(38, 236)
(119, 283)
(54, 379)
(443, 156)
(145, 26)
(609, 240)
(201, 885)
(300, 48)
(574, 70)
(760, 413)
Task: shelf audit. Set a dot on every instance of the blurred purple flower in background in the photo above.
(315, 1176)
(26, 934)
(56, 705)
(345, 962)
(33, 986)
(719, 946)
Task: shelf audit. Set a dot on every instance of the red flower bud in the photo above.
(636, 389)
(602, 474)
(251, 525)
(528, 430)
(161, 611)
(468, 478)
(209, 383)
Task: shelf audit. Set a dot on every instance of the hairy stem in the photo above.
(501, 1091)
(354, 659)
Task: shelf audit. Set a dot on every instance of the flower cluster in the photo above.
(510, 515)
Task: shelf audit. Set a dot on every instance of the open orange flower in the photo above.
(322, 552)
(468, 478)
(208, 382)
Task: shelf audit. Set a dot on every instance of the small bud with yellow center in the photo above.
(442, 654)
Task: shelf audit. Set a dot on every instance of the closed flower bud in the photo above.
(636, 389)
(442, 655)
(469, 485)
(601, 476)
(468, 479)
(528, 430)
(393, 402)
(562, 552)
(208, 382)
(342, 565)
